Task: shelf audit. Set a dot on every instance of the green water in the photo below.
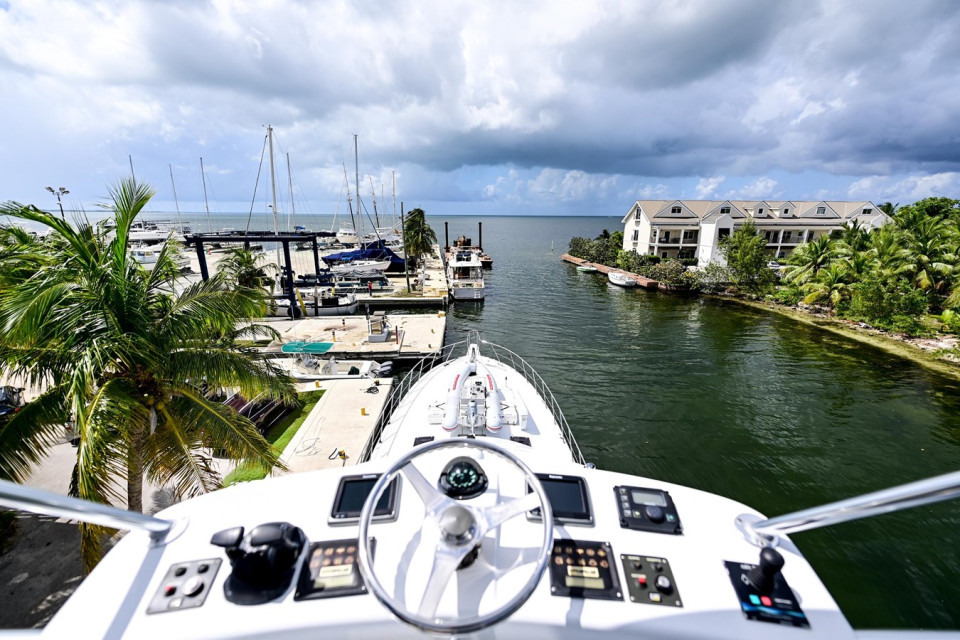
(738, 402)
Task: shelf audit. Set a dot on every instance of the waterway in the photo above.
(739, 402)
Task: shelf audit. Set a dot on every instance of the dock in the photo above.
(647, 283)
(420, 335)
(342, 420)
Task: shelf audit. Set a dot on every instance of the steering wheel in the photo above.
(455, 527)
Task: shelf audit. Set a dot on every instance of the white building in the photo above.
(693, 228)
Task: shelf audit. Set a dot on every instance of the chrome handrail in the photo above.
(530, 375)
(33, 500)
(515, 361)
(905, 496)
(399, 390)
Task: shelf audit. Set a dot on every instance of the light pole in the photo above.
(62, 191)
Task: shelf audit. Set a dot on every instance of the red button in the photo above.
(766, 601)
(642, 581)
(169, 590)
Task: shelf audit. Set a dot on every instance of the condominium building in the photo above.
(694, 228)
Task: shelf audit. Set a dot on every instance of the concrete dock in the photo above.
(341, 421)
(602, 268)
(419, 335)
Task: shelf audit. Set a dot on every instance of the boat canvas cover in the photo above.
(306, 347)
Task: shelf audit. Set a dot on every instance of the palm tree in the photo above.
(831, 285)
(243, 267)
(925, 260)
(126, 356)
(418, 236)
(808, 259)
(889, 208)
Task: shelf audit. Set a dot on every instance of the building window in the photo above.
(723, 233)
(787, 236)
(675, 210)
(690, 236)
(821, 211)
(768, 235)
(686, 253)
(636, 234)
(724, 209)
(867, 212)
(663, 255)
(760, 211)
(786, 212)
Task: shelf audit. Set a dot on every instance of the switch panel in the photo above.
(650, 580)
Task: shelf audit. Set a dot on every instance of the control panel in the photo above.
(763, 592)
(650, 580)
(582, 569)
(185, 586)
(647, 510)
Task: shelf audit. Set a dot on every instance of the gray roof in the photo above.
(801, 212)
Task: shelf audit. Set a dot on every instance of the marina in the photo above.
(758, 460)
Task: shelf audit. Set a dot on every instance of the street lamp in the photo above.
(62, 191)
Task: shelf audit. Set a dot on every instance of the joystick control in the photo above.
(763, 577)
(263, 560)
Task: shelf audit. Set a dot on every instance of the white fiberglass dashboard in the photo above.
(627, 556)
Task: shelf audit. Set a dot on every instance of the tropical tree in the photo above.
(246, 269)
(924, 259)
(126, 355)
(419, 237)
(746, 253)
(832, 285)
(806, 261)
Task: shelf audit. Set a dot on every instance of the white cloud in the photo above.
(553, 100)
(707, 186)
(906, 188)
(763, 188)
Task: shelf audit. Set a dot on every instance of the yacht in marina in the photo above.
(465, 274)
(471, 512)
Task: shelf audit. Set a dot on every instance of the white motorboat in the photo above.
(586, 267)
(307, 366)
(465, 274)
(470, 513)
(621, 279)
(147, 255)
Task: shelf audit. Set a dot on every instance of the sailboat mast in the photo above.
(206, 204)
(175, 202)
(273, 188)
(356, 177)
(292, 220)
(346, 181)
(373, 194)
(393, 220)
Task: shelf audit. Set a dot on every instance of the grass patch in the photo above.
(279, 436)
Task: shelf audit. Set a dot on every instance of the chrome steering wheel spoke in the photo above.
(450, 530)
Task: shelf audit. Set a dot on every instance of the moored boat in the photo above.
(621, 279)
(465, 275)
(586, 267)
(306, 366)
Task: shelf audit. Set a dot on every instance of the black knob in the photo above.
(763, 577)
(655, 513)
(663, 584)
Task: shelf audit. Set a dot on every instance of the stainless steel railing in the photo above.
(511, 359)
(913, 494)
(17, 496)
(498, 353)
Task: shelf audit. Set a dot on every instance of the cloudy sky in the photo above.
(492, 107)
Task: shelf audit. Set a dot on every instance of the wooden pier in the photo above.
(647, 283)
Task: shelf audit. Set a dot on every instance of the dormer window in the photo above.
(760, 211)
(675, 210)
(724, 209)
(821, 211)
(867, 212)
(786, 212)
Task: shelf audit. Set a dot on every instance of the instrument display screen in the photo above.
(568, 497)
(648, 497)
(353, 492)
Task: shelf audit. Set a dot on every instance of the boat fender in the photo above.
(494, 402)
(451, 413)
